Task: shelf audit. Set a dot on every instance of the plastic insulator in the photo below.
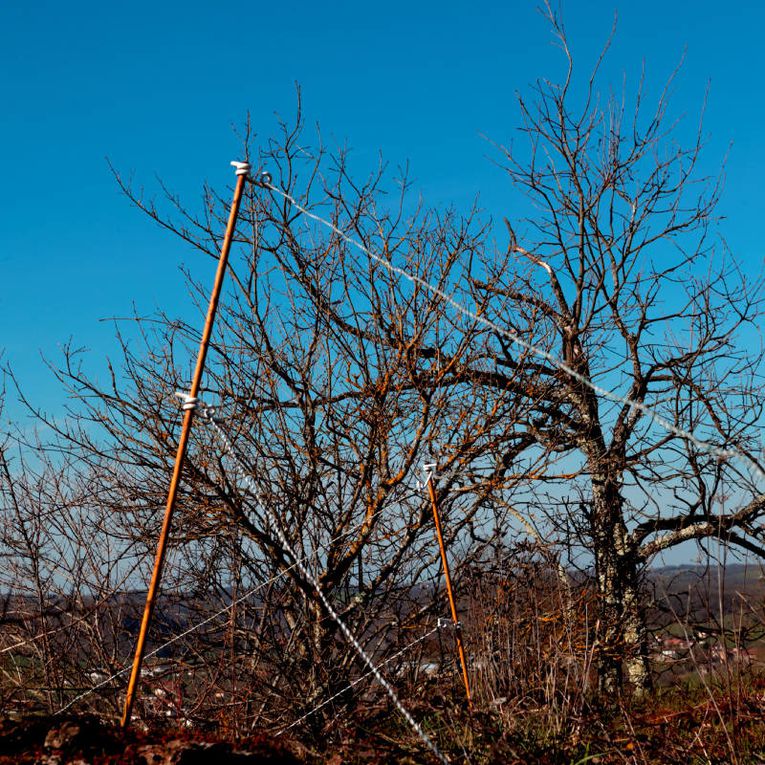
(242, 168)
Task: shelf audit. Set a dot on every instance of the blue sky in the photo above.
(159, 88)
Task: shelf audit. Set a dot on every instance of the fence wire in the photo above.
(264, 181)
(206, 413)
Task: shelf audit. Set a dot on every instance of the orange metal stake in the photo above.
(448, 581)
(242, 169)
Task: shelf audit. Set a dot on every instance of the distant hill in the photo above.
(699, 594)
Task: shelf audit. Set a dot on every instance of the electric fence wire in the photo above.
(206, 413)
(174, 639)
(263, 180)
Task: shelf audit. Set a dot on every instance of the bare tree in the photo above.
(65, 563)
(619, 275)
(331, 376)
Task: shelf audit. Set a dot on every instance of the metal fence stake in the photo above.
(242, 170)
(448, 580)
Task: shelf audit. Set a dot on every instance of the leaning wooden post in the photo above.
(242, 170)
(429, 472)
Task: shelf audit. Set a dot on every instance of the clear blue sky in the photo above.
(158, 86)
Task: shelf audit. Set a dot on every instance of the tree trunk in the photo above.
(622, 646)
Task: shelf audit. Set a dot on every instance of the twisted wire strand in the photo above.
(264, 181)
(206, 413)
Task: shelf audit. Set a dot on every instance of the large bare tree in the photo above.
(619, 275)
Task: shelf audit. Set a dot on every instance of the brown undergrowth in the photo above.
(699, 727)
(530, 638)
